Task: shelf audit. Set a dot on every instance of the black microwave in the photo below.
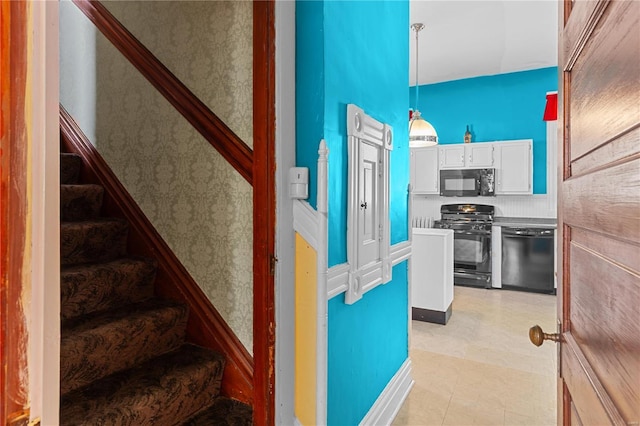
(467, 183)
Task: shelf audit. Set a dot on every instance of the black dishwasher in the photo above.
(527, 259)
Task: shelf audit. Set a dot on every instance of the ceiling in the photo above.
(470, 38)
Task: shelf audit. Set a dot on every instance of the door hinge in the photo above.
(272, 265)
(380, 229)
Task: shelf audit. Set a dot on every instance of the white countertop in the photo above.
(431, 231)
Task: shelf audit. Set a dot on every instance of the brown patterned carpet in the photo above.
(124, 358)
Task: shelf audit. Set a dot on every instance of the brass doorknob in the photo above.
(537, 336)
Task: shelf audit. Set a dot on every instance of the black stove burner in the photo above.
(465, 215)
(463, 225)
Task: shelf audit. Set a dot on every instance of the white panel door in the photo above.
(369, 218)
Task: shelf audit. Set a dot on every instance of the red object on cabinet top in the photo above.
(551, 109)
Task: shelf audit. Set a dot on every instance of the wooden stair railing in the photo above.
(205, 327)
(212, 128)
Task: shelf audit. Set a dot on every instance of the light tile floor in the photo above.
(481, 368)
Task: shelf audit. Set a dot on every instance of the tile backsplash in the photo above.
(539, 206)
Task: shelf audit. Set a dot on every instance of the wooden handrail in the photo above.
(205, 327)
(218, 134)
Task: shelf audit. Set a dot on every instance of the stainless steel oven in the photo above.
(471, 224)
(467, 182)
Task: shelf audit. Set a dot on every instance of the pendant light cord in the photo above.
(417, 29)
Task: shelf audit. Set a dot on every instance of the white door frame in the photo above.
(44, 317)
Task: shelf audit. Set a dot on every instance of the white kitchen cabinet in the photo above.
(431, 274)
(466, 156)
(452, 156)
(514, 167)
(424, 170)
(479, 155)
(512, 160)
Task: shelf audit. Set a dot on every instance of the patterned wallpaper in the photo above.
(197, 202)
(206, 44)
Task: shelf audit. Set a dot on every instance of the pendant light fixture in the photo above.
(421, 132)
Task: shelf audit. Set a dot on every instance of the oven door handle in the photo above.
(471, 232)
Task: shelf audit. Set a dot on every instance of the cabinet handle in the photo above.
(363, 205)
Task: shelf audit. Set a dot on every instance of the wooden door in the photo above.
(264, 212)
(14, 212)
(599, 212)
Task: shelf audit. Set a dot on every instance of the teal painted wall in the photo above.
(364, 355)
(356, 52)
(309, 88)
(499, 107)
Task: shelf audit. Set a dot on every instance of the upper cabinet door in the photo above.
(479, 155)
(424, 170)
(466, 156)
(452, 156)
(515, 167)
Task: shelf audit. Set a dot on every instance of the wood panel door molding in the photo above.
(14, 215)
(264, 211)
(598, 219)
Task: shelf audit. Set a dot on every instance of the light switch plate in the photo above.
(299, 183)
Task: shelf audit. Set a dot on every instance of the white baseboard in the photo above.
(388, 404)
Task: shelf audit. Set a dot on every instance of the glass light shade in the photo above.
(421, 132)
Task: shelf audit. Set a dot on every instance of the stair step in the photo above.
(80, 202)
(223, 412)
(98, 240)
(163, 391)
(85, 289)
(93, 347)
(70, 166)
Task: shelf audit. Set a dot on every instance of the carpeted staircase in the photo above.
(123, 357)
